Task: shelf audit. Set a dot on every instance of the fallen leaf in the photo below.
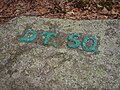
(104, 11)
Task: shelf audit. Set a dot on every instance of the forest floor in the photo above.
(63, 9)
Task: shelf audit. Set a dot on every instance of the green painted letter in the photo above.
(71, 38)
(93, 47)
(47, 37)
(26, 38)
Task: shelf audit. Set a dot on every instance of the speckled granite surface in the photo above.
(31, 66)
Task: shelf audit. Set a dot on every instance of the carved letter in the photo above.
(48, 36)
(71, 38)
(26, 38)
(93, 47)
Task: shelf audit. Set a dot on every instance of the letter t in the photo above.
(48, 36)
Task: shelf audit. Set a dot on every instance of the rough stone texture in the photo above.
(37, 67)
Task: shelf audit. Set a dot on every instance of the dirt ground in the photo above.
(65, 9)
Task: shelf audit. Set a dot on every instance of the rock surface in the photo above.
(31, 66)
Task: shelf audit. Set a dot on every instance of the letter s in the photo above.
(71, 38)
